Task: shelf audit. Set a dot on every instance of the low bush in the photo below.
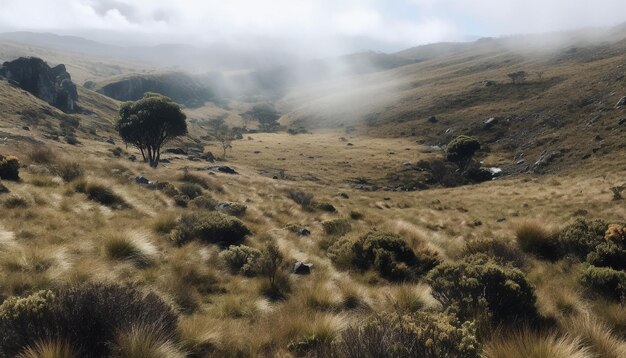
(204, 202)
(168, 189)
(341, 254)
(234, 209)
(191, 190)
(390, 256)
(68, 171)
(479, 286)
(337, 227)
(277, 286)
(501, 251)
(42, 155)
(612, 251)
(242, 259)
(300, 197)
(355, 215)
(9, 168)
(191, 178)
(606, 281)
(16, 202)
(104, 195)
(210, 227)
(424, 335)
(88, 317)
(535, 238)
(181, 200)
(581, 237)
(125, 249)
(327, 207)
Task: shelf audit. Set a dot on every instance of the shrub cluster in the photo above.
(190, 190)
(421, 334)
(607, 275)
(242, 259)
(337, 227)
(210, 227)
(9, 168)
(386, 253)
(88, 317)
(480, 286)
(68, 171)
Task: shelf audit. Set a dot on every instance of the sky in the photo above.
(380, 24)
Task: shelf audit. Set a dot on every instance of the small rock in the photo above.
(111, 141)
(621, 102)
(132, 158)
(3, 189)
(178, 151)
(344, 195)
(301, 268)
(303, 232)
(489, 123)
(349, 144)
(489, 83)
(433, 119)
(141, 180)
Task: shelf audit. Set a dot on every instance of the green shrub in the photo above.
(390, 256)
(242, 259)
(204, 202)
(504, 253)
(341, 254)
(210, 227)
(606, 281)
(581, 237)
(425, 335)
(181, 200)
(461, 150)
(277, 285)
(15, 202)
(9, 168)
(478, 285)
(534, 238)
(68, 171)
(338, 227)
(89, 317)
(612, 251)
(191, 190)
(328, 207)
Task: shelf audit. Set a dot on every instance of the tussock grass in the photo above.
(536, 238)
(145, 341)
(57, 348)
(136, 249)
(529, 344)
(597, 335)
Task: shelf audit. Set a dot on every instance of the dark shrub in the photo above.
(42, 155)
(461, 150)
(14, 202)
(88, 317)
(534, 238)
(328, 207)
(606, 281)
(501, 251)
(581, 237)
(9, 168)
(424, 335)
(117, 152)
(300, 197)
(355, 215)
(168, 189)
(234, 209)
(191, 190)
(242, 259)
(337, 227)
(479, 285)
(103, 195)
(210, 227)
(391, 256)
(612, 251)
(181, 200)
(277, 286)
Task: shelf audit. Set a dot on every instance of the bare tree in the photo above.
(518, 77)
(539, 75)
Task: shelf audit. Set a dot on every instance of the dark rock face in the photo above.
(53, 85)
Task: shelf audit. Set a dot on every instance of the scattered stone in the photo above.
(500, 219)
(433, 119)
(344, 195)
(489, 123)
(301, 268)
(234, 209)
(177, 151)
(111, 141)
(26, 128)
(303, 232)
(489, 83)
(141, 180)
(621, 102)
(132, 158)
(224, 169)
(545, 159)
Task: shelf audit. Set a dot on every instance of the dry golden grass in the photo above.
(528, 344)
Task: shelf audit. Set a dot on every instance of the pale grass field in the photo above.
(62, 238)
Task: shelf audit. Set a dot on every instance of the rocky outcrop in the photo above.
(180, 87)
(53, 85)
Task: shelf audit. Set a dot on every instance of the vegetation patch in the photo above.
(210, 227)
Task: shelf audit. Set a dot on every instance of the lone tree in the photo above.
(219, 130)
(265, 114)
(461, 150)
(149, 123)
(518, 77)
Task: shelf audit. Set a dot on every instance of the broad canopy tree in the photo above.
(149, 123)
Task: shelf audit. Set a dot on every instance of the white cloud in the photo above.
(403, 22)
